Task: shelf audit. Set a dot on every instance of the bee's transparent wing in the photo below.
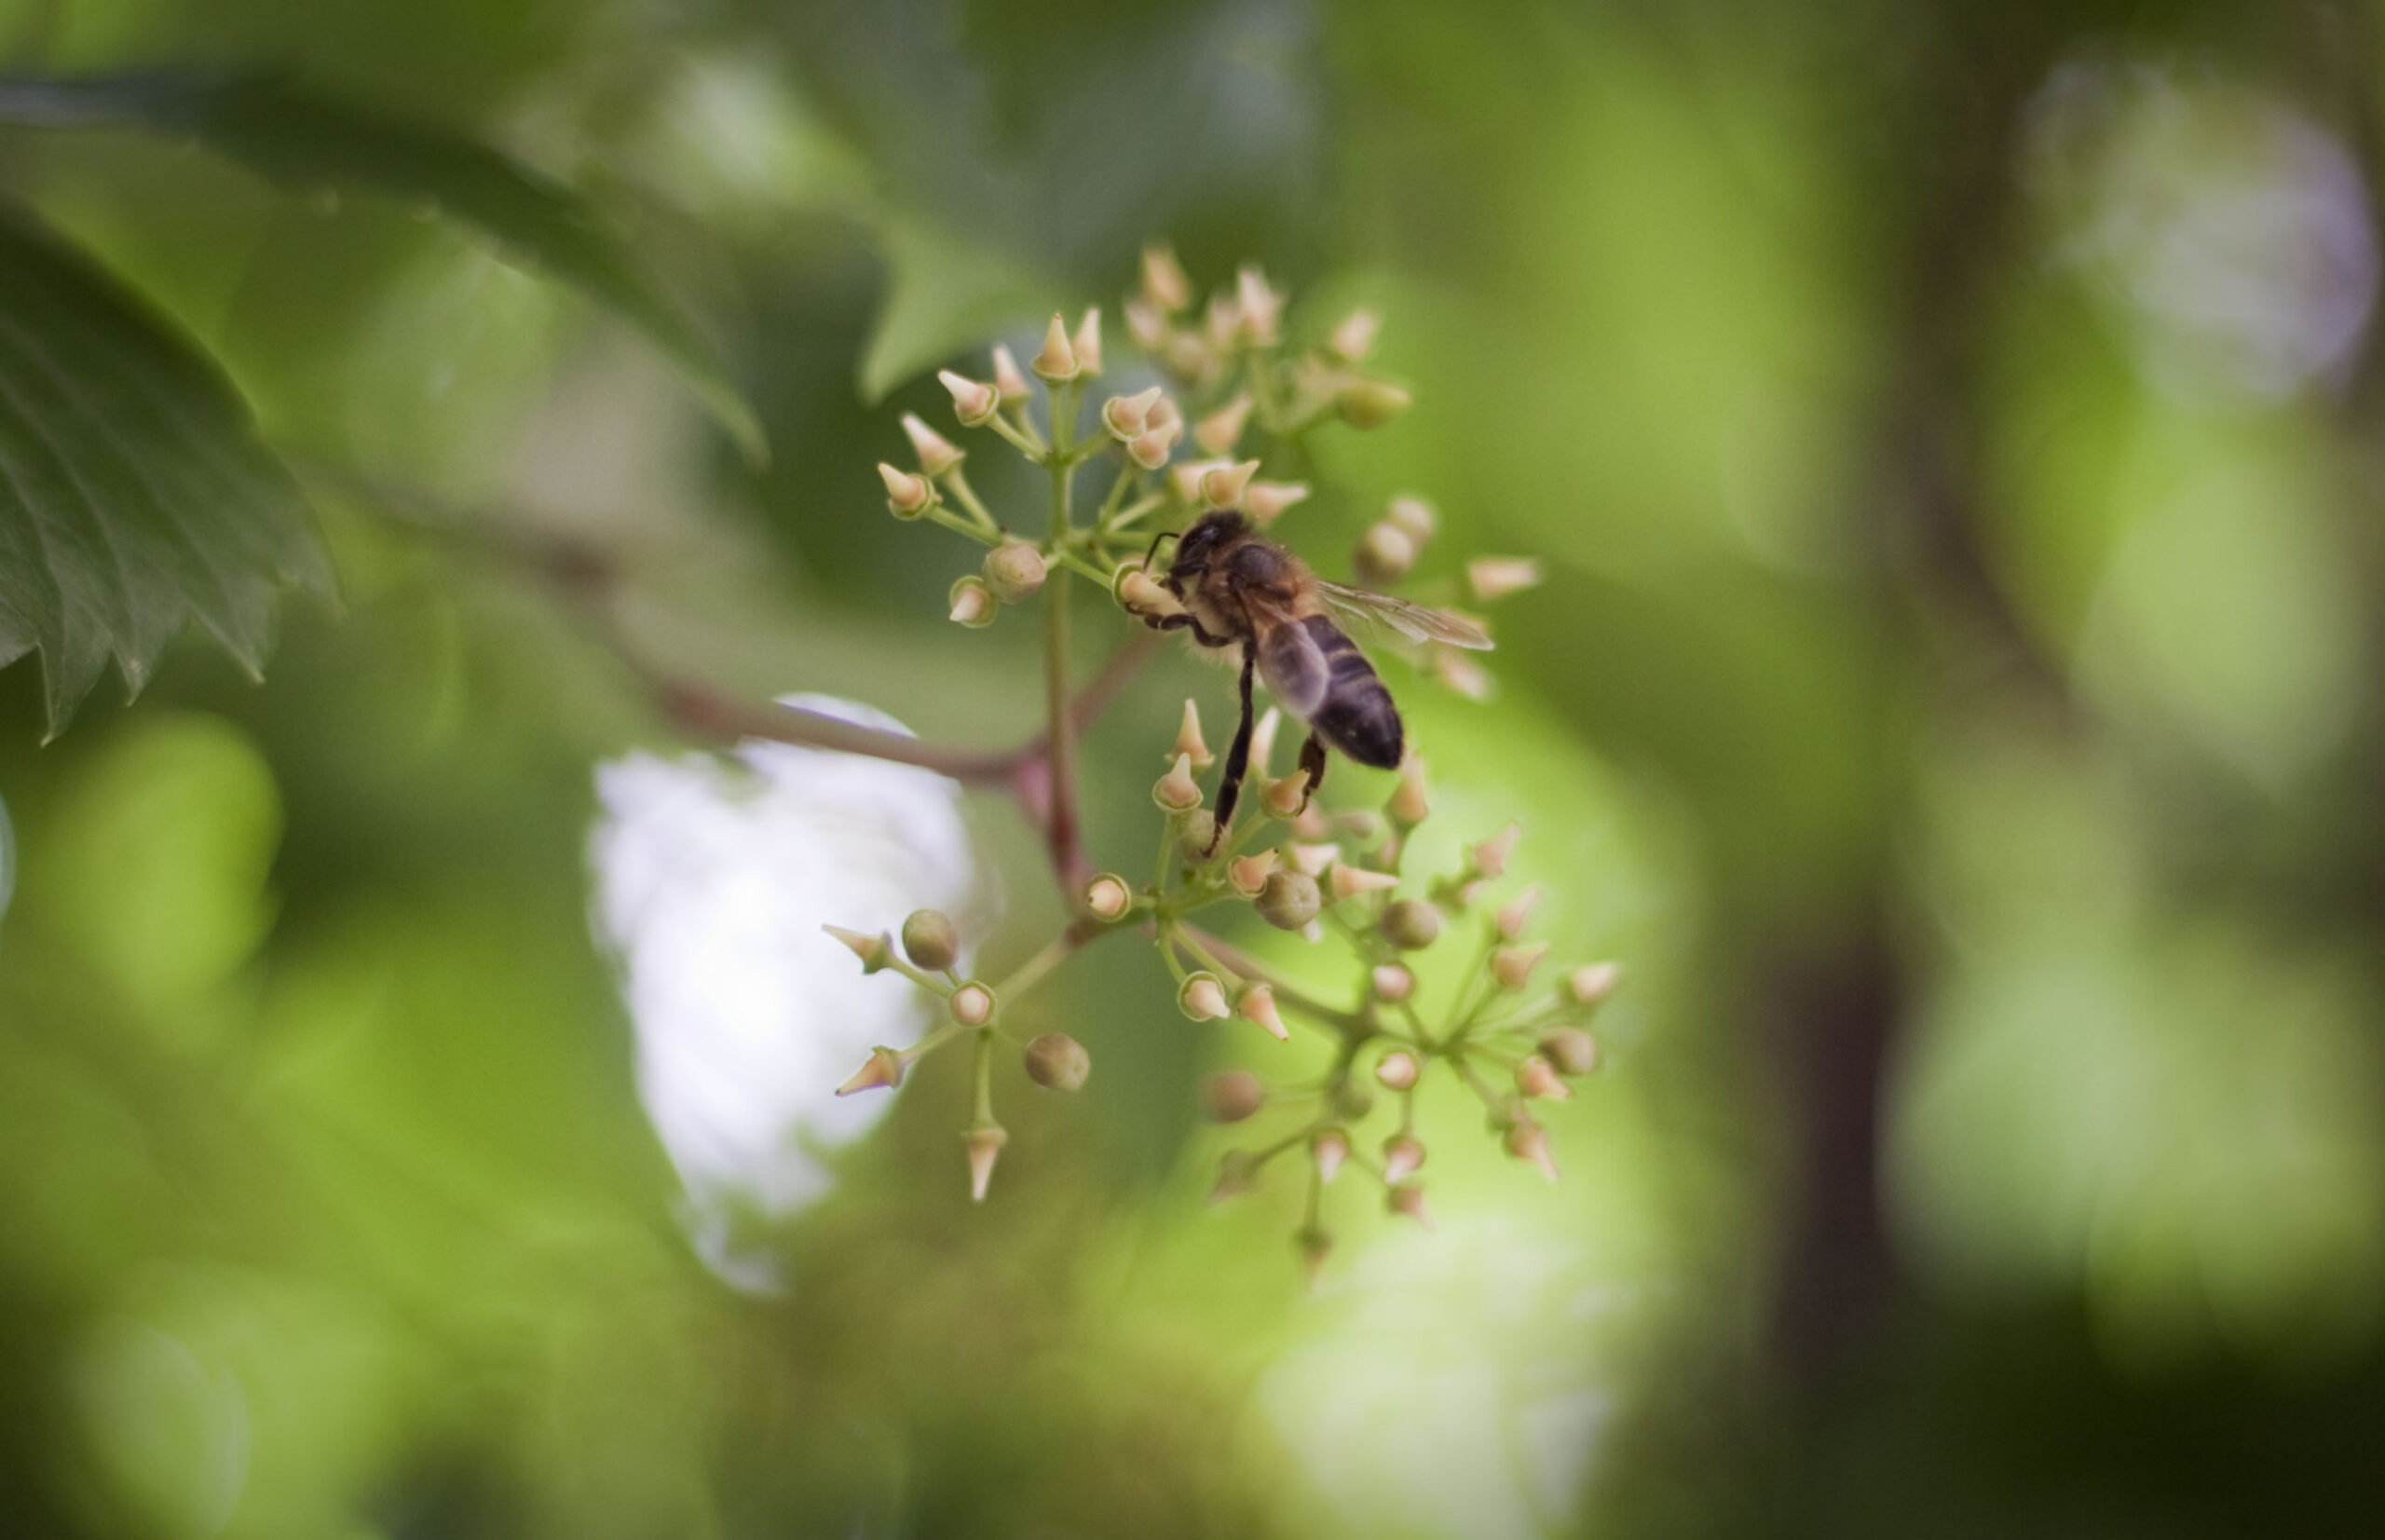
(1417, 622)
(1291, 663)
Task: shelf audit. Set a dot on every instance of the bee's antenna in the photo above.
(1163, 535)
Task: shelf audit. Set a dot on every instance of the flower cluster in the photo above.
(1239, 396)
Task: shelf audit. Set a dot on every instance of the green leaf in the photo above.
(944, 294)
(313, 143)
(135, 491)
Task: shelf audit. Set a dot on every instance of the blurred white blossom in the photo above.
(714, 875)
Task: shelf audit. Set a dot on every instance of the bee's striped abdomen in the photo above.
(1357, 716)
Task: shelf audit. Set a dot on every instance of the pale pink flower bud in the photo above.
(1512, 966)
(1222, 488)
(1087, 344)
(1348, 882)
(1265, 500)
(1108, 897)
(1185, 477)
(1410, 1202)
(875, 951)
(1150, 448)
(1218, 433)
(1128, 417)
(1258, 1004)
(1262, 740)
(1203, 998)
(1191, 356)
(1403, 1156)
(985, 1145)
(1570, 1049)
(1391, 982)
(1146, 324)
(972, 402)
(1177, 791)
(1490, 857)
(1412, 516)
(1237, 1174)
(1355, 337)
(1407, 806)
(1589, 986)
(1536, 1077)
(1285, 798)
(1007, 378)
(936, 452)
(907, 495)
(1489, 577)
(1312, 859)
(1248, 874)
(1058, 361)
(1260, 306)
(1460, 673)
(1399, 1072)
(884, 1067)
(1517, 914)
(1189, 741)
(1383, 555)
(1332, 1149)
(1163, 281)
(974, 603)
(971, 1004)
(1529, 1141)
(1139, 593)
(1224, 321)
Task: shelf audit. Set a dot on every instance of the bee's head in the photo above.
(1200, 541)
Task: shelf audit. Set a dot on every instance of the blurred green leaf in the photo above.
(314, 144)
(946, 294)
(134, 492)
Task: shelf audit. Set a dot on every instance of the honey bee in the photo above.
(1240, 590)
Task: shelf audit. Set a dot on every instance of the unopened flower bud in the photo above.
(1391, 982)
(1221, 430)
(1412, 516)
(1188, 740)
(971, 1005)
(1331, 1148)
(1150, 448)
(931, 941)
(1408, 806)
(1358, 823)
(1058, 361)
(1355, 337)
(1402, 1155)
(1258, 1005)
(1516, 913)
(972, 402)
(1146, 324)
(1527, 1140)
(1289, 900)
(1232, 1095)
(1263, 740)
(1371, 403)
(974, 603)
(1058, 1062)
(1312, 859)
(1014, 570)
(1409, 1200)
(884, 1067)
(1007, 379)
(1346, 882)
(1265, 500)
(1247, 874)
(1397, 1070)
(1512, 966)
(1489, 577)
(1570, 1049)
(1177, 791)
(1190, 355)
(1536, 1077)
(1128, 417)
(1309, 822)
(1350, 1099)
(1202, 997)
(1139, 593)
(1459, 671)
(1287, 797)
(1260, 307)
(1199, 833)
(1224, 321)
(1163, 280)
(1237, 1174)
(936, 454)
(907, 495)
(985, 1145)
(1383, 555)
(875, 951)
(1108, 897)
(1222, 488)
(1589, 986)
(1087, 344)
(1490, 857)
(1410, 924)
(1184, 477)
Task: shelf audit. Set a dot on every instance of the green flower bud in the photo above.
(1059, 1061)
(1289, 900)
(1014, 570)
(1371, 403)
(930, 941)
(1410, 924)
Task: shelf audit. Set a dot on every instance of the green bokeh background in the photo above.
(1965, 720)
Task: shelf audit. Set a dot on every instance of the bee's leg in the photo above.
(1313, 763)
(1237, 757)
(1185, 622)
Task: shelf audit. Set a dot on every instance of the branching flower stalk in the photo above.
(1238, 390)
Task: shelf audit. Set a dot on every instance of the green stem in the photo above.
(982, 1111)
